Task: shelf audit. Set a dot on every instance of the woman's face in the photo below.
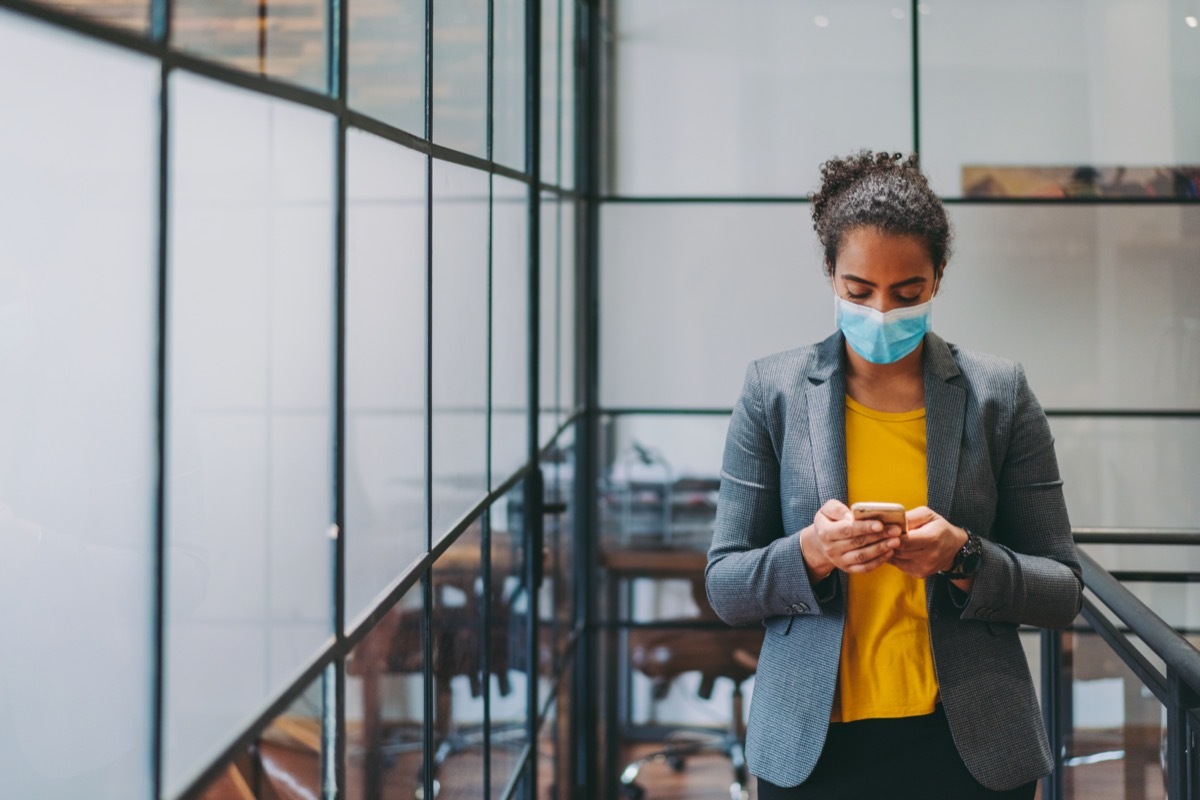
(883, 270)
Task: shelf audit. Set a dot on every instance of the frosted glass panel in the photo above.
(250, 387)
(387, 61)
(385, 365)
(508, 84)
(287, 40)
(566, 45)
(460, 51)
(78, 334)
(710, 99)
(567, 400)
(510, 327)
(550, 80)
(1129, 472)
(1099, 303)
(690, 294)
(1103, 82)
(460, 342)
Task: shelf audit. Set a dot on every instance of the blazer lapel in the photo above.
(826, 402)
(945, 410)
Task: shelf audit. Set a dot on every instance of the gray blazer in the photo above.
(991, 468)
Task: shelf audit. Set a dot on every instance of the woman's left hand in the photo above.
(930, 544)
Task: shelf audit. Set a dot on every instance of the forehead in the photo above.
(880, 256)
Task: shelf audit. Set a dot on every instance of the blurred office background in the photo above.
(367, 364)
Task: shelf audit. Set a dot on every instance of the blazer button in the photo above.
(933, 615)
(983, 613)
(799, 608)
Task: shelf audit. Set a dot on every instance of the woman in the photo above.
(891, 665)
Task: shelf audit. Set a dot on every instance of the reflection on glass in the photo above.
(387, 61)
(508, 84)
(510, 328)
(672, 274)
(458, 668)
(1115, 724)
(285, 40)
(460, 341)
(460, 50)
(1094, 82)
(385, 365)
(508, 634)
(284, 762)
(250, 385)
(750, 96)
(129, 14)
(385, 707)
(554, 748)
(566, 110)
(78, 333)
(555, 602)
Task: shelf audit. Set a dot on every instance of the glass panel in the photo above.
(708, 99)
(1116, 725)
(249, 440)
(508, 84)
(284, 762)
(460, 341)
(132, 15)
(385, 707)
(566, 71)
(78, 341)
(554, 749)
(681, 277)
(460, 48)
(510, 328)
(551, 100)
(387, 61)
(556, 603)
(509, 626)
(1129, 472)
(458, 669)
(1098, 303)
(385, 364)
(550, 339)
(567, 400)
(287, 41)
(1093, 82)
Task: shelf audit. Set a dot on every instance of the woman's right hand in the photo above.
(836, 541)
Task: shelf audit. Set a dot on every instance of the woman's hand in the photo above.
(930, 545)
(836, 541)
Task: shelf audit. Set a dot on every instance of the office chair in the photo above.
(663, 655)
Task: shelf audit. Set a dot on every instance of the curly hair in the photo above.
(879, 190)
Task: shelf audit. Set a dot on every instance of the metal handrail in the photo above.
(1178, 689)
(1176, 652)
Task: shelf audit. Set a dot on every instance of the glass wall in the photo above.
(273, 452)
(1063, 138)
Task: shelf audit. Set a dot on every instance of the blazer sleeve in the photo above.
(755, 568)
(1030, 570)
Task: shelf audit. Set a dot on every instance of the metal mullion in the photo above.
(485, 559)
(915, 13)
(158, 641)
(1113, 413)
(1053, 695)
(426, 573)
(588, 124)
(334, 761)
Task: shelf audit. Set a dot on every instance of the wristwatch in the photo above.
(966, 560)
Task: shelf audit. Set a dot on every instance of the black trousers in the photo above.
(898, 759)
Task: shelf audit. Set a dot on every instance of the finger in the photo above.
(868, 551)
(921, 515)
(864, 562)
(835, 509)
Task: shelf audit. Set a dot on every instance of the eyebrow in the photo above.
(905, 282)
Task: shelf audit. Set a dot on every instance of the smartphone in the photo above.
(887, 513)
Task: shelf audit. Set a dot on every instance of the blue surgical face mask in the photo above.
(882, 338)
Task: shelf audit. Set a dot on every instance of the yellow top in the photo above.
(886, 667)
